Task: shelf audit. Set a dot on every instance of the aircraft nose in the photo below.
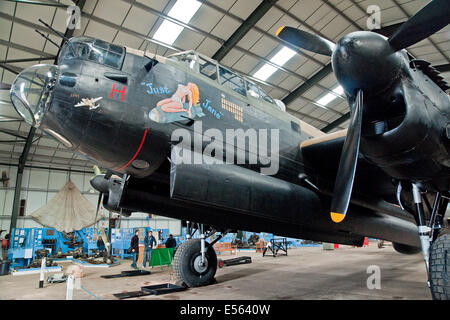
(364, 60)
(31, 92)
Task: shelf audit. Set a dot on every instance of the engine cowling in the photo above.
(406, 135)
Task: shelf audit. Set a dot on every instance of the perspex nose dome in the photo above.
(30, 92)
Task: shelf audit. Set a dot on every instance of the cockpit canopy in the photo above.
(94, 50)
(224, 76)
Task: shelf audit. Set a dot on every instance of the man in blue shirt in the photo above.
(149, 241)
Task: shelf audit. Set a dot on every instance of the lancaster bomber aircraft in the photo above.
(186, 137)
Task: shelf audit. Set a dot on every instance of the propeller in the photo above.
(347, 164)
(100, 195)
(427, 21)
(305, 40)
(353, 56)
(105, 241)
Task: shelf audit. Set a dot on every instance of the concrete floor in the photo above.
(307, 273)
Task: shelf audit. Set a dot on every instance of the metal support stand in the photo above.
(188, 230)
(202, 243)
(424, 230)
(437, 215)
(41, 276)
(70, 285)
(275, 246)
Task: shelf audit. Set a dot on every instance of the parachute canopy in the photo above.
(69, 210)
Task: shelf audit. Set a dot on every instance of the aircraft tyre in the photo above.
(187, 267)
(439, 274)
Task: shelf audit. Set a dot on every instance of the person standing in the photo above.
(5, 247)
(171, 243)
(100, 245)
(135, 248)
(149, 241)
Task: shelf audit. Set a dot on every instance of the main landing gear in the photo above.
(195, 261)
(434, 242)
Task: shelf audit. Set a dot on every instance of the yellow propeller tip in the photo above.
(279, 30)
(97, 170)
(337, 217)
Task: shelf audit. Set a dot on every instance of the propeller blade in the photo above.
(306, 40)
(429, 20)
(97, 170)
(98, 206)
(4, 86)
(347, 165)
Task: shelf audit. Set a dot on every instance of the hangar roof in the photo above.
(238, 33)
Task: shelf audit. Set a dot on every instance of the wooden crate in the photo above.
(222, 247)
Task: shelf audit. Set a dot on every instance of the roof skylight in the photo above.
(326, 99)
(282, 56)
(183, 10)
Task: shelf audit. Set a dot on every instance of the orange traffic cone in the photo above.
(366, 242)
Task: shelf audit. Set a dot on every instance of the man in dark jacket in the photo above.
(171, 243)
(100, 245)
(135, 248)
(149, 241)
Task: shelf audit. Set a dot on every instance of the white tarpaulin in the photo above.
(69, 210)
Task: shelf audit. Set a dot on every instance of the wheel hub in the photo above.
(199, 266)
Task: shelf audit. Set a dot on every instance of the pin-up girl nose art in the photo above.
(183, 104)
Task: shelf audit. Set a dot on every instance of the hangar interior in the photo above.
(239, 34)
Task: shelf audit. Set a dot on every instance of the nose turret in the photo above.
(364, 60)
(31, 92)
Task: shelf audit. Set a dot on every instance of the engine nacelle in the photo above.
(405, 134)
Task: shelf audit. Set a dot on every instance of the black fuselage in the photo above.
(130, 130)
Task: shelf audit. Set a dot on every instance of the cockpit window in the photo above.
(256, 92)
(232, 80)
(228, 78)
(96, 50)
(208, 69)
(105, 53)
(189, 58)
(101, 44)
(81, 50)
